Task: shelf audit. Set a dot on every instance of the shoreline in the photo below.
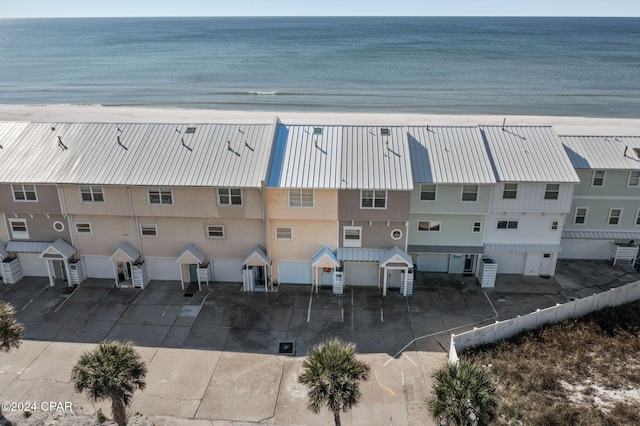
(563, 125)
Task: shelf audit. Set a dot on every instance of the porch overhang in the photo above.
(27, 246)
(256, 257)
(601, 235)
(360, 254)
(191, 254)
(325, 256)
(125, 252)
(396, 257)
(535, 248)
(445, 249)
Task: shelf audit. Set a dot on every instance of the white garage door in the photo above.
(98, 266)
(509, 263)
(227, 270)
(585, 249)
(291, 272)
(163, 268)
(433, 262)
(32, 265)
(362, 274)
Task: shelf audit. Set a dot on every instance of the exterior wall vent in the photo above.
(385, 131)
(191, 130)
(317, 130)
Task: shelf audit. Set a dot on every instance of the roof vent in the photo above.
(385, 131)
(317, 130)
(191, 130)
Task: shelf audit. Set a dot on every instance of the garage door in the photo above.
(362, 274)
(433, 262)
(585, 249)
(98, 266)
(290, 272)
(163, 268)
(32, 265)
(509, 263)
(227, 270)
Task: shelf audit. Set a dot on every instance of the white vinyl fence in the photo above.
(574, 309)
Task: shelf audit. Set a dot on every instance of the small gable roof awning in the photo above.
(256, 257)
(27, 246)
(395, 256)
(191, 254)
(59, 249)
(325, 254)
(126, 252)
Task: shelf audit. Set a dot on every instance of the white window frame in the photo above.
(212, 229)
(283, 228)
(162, 192)
(375, 195)
(505, 190)
(351, 242)
(637, 222)
(433, 226)
(299, 196)
(636, 178)
(397, 230)
(586, 214)
(19, 235)
(555, 225)
(22, 188)
(93, 190)
(147, 227)
(477, 190)
(230, 196)
(507, 223)
(86, 224)
(435, 192)
(550, 192)
(476, 227)
(601, 178)
(619, 217)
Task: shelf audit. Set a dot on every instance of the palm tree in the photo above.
(112, 371)
(332, 374)
(463, 395)
(11, 332)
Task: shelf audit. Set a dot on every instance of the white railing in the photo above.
(561, 312)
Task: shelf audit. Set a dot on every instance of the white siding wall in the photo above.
(530, 197)
(533, 228)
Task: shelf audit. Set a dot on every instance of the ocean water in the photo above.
(537, 66)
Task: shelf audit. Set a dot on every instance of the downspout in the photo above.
(136, 222)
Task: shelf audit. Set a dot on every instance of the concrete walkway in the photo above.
(213, 358)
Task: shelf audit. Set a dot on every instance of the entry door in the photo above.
(193, 273)
(545, 264)
(468, 263)
(394, 278)
(326, 278)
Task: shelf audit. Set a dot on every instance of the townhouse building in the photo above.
(453, 180)
(529, 203)
(604, 221)
(156, 201)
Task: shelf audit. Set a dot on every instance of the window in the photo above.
(428, 192)
(83, 228)
(160, 195)
(24, 193)
(581, 216)
(396, 234)
(91, 194)
(284, 233)
(352, 236)
(372, 199)
(598, 178)
(547, 255)
(429, 225)
(477, 226)
(58, 226)
(551, 192)
(230, 196)
(638, 218)
(469, 192)
(614, 217)
(301, 198)
(554, 225)
(634, 178)
(19, 229)
(215, 231)
(507, 224)
(148, 230)
(510, 191)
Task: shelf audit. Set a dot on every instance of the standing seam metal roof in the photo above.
(597, 152)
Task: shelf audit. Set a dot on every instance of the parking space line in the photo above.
(352, 326)
(32, 299)
(494, 309)
(65, 300)
(309, 309)
(381, 316)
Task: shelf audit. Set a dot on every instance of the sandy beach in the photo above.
(113, 114)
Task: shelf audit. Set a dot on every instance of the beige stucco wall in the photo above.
(325, 205)
(116, 201)
(108, 233)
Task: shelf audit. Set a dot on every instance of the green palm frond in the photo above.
(11, 331)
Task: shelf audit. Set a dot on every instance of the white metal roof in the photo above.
(191, 252)
(135, 154)
(542, 248)
(324, 252)
(256, 257)
(360, 254)
(451, 154)
(128, 249)
(397, 255)
(27, 246)
(60, 246)
(528, 154)
(598, 152)
(602, 235)
(341, 157)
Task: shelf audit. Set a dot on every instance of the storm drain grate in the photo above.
(287, 348)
